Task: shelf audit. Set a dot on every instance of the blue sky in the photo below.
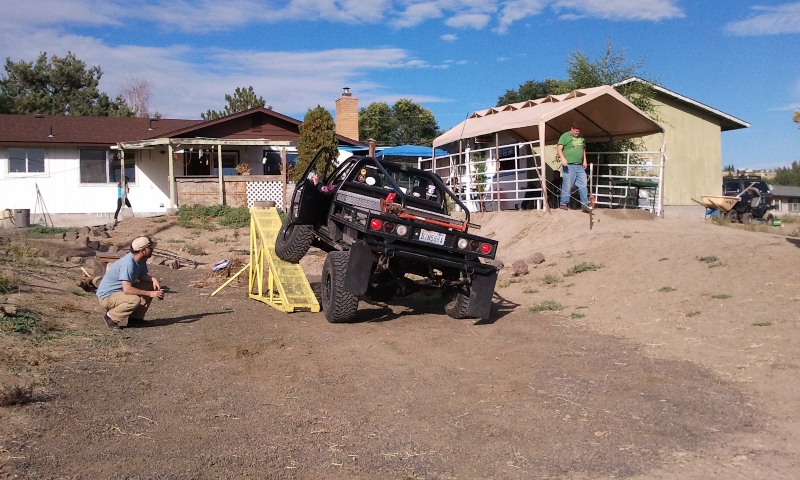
(452, 56)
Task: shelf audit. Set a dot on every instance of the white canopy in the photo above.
(604, 114)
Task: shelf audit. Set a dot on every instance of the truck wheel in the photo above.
(338, 304)
(460, 305)
(292, 244)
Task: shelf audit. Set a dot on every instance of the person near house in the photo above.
(572, 154)
(127, 288)
(122, 187)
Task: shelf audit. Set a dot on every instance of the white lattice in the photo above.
(264, 191)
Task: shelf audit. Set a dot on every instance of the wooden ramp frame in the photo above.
(287, 287)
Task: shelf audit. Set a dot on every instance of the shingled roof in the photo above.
(26, 130)
(88, 131)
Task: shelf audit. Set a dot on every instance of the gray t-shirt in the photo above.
(125, 269)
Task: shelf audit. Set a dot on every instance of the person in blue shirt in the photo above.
(122, 186)
(127, 288)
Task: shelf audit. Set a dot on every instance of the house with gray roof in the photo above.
(787, 200)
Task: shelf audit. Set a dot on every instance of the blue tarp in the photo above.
(410, 151)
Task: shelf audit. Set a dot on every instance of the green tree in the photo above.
(317, 131)
(788, 175)
(377, 122)
(796, 118)
(532, 90)
(241, 100)
(58, 86)
(609, 69)
(404, 123)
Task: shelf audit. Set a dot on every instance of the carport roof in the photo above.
(604, 114)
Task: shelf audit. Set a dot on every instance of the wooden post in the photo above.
(171, 175)
(221, 181)
(371, 147)
(284, 178)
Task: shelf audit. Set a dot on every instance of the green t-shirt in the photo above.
(573, 147)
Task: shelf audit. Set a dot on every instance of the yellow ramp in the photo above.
(281, 284)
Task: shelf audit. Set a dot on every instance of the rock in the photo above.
(93, 244)
(84, 230)
(519, 267)
(95, 266)
(82, 240)
(113, 249)
(537, 258)
(70, 236)
(173, 264)
(76, 260)
(496, 263)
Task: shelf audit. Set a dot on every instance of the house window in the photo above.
(204, 162)
(229, 162)
(794, 205)
(21, 160)
(105, 166)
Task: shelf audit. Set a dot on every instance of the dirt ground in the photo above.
(640, 348)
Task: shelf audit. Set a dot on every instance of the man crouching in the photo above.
(126, 289)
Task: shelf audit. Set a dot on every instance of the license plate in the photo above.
(431, 237)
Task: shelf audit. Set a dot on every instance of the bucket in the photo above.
(776, 222)
(22, 217)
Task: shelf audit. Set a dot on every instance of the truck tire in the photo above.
(459, 307)
(292, 244)
(338, 304)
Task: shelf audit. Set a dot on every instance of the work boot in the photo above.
(110, 323)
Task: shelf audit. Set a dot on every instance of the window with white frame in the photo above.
(26, 160)
(105, 166)
(794, 204)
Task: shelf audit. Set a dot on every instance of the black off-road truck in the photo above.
(388, 233)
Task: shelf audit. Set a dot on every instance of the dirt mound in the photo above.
(639, 348)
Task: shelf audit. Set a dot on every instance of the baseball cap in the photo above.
(140, 243)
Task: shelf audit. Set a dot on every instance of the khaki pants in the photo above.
(121, 306)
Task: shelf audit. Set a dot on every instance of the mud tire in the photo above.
(459, 306)
(338, 305)
(293, 243)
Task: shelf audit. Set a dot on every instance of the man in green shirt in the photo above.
(572, 153)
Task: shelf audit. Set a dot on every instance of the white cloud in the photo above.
(417, 13)
(34, 13)
(469, 20)
(648, 10)
(772, 21)
(515, 10)
(449, 37)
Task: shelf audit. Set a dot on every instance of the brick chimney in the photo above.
(347, 115)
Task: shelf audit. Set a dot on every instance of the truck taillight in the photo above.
(474, 245)
(376, 224)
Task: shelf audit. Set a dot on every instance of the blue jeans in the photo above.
(573, 176)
